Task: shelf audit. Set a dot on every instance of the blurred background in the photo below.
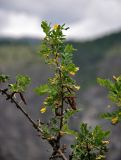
(95, 31)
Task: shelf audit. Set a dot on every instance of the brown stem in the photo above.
(56, 148)
(61, 119)
(59, 154)
(9, 97)
(62, 155)
(62, 96)
(4, 91)
(88, 151)
(62, 103)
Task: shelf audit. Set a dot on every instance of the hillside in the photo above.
(88, 54)
(100, 57)
(91, 54)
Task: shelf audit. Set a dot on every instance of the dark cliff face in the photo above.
(18, 140)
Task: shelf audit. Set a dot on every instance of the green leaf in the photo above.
(99, 135)
(46, 27)
(4, 78)
(110, 115)
(68, 131)
(69, 49)
(105, 83)
(21, 84)
(42, 89)
(114, 94)
(69, 113)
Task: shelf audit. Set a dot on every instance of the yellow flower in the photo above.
(114, 120)
(43, 110)
(63, 67)
(77, 87)
(105, 142)
(72, 73)
(56, 26)
(51, 138)
(100, 157)
(115, 78)
(77, 68)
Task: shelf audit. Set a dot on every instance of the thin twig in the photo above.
(4, 91)
(62, 155)
(88, 151)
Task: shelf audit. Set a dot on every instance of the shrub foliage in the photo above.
(60, 91)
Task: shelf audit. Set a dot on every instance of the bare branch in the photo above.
(9, 97)
(62, 155)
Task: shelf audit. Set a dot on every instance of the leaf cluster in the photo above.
(114, 94)
(3, 78)
(61, 94)
(60, 89)
(90, 144)
(21, 84)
